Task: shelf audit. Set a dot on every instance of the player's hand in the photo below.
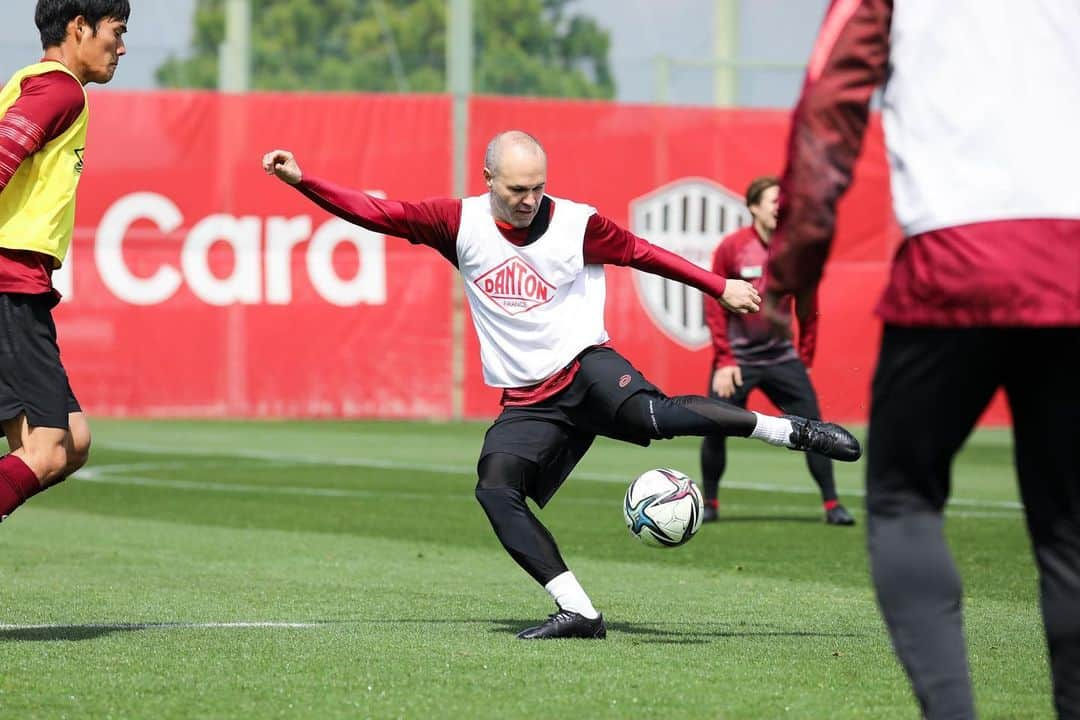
(740, 297)
(282, 163)
(726, 379)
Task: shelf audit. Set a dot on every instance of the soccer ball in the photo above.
(663, 508)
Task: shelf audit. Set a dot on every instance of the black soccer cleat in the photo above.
(566, 624)
(838, 515)
(823, 438)
(711, 514)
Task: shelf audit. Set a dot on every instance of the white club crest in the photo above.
(687, 217)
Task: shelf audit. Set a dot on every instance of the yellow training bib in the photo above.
(37, 207)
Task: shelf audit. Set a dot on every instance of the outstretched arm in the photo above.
(607, 243)
(432, 222)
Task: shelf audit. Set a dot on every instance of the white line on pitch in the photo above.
(447, 469)
(199, 485)
(162, 626)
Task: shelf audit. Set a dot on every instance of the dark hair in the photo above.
(52, 16)
(758, 186)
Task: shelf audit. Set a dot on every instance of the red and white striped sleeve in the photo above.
(850, 59)
(46, 107)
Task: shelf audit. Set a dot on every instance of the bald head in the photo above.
(515, 169)
(516, 142)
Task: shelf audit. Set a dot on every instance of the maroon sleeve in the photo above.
(46, 107)
(608, 244)
(850, 58)
(433, 223)
(715, 314)
(808, 328)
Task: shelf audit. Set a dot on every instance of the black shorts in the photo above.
(786, 384)
(32, 378)
(555, 433)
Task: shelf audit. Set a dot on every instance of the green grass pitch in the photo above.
(344, 570)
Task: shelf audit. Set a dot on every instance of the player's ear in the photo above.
(80, 26)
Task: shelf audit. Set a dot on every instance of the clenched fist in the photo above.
(282, 163)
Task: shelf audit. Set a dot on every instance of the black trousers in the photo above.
(788, 386)
(929, 389)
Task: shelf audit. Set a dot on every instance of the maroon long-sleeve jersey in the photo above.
(436, 223)
(749, 339)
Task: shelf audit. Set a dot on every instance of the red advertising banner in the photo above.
(197, 286)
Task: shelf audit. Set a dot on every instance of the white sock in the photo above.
(773, 430)
(569, 595)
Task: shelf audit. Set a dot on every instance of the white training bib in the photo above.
(534, 307)
(981, 126)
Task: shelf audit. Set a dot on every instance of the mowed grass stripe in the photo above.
(469, 470)
(117, 474)
(428, 628)
(762, 530)
(766, 614)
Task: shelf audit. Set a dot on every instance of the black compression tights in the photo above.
(661, 417)
(501, 492)
(504, 477)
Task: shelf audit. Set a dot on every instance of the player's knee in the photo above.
(500, 502)
(47, 462)
(502, 475)
(714, 445)
(75, 460)
(78, 452)
(637, 416)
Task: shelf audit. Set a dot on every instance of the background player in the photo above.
(42, 145)
(748, 355)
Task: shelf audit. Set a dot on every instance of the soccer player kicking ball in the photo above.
(43, 118)
(533, 270)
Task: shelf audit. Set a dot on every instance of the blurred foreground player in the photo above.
(748, 355)
(533, 273)
(984, 293)
(43, 119)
